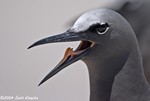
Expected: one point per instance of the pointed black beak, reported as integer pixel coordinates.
(64, 37)
(70, 55)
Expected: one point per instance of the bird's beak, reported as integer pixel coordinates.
(70, 55)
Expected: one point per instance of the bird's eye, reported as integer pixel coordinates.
(101, 29)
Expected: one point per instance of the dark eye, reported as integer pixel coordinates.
(99, 28)
(102, 28)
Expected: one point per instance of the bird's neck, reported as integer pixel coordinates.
(100, 88)
(101, 73)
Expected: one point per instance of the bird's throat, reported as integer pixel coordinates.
(100, 85)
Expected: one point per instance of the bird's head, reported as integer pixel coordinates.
(95, 29)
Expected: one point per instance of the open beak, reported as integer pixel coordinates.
(70, 56)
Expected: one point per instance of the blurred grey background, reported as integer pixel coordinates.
(22, 22)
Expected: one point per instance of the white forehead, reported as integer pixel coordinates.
(90, 18)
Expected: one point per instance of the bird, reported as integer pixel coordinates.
(110, 50)
(134, 11)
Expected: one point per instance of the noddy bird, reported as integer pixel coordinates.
(134, 11)
(110, 50)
